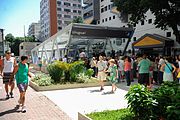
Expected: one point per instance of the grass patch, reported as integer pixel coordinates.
(122, 114)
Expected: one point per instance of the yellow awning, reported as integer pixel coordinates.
(148, 41)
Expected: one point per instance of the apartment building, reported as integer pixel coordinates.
(57, 14)
(34, 30)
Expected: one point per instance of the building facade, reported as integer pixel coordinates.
(34, 30)
(109, 16)
(57, 14)
(26, 47)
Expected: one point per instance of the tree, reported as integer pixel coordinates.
(78, 20)
(167, 12)
(9, 38)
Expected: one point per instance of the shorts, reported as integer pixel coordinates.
(101, 76)
(6, 77)
(22, 87)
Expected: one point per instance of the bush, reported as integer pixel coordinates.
(161, 103)
(141, 102)
(82, 78)
(168, 98)
(122, 114)
(42, 80)
(55, 71)
(89, 72)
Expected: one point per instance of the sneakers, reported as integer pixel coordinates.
(7, 96)
(23, 109)
(11, 94)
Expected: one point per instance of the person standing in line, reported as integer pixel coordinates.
(113, 70)
(160, 73)
(143, 68)
(21, 72)
(93, 64)
(121, 69)
(101, 65)
(168, 69)
(155, 71)
(6, 72)
(127, 70)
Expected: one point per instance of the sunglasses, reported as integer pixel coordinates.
(8, 53)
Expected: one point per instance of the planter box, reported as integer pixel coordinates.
(64, 86)
(83, 117)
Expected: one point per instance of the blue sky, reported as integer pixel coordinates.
(14, 14)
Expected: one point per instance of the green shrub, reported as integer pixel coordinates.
(168, 98)
(122, 114)
(141, 102)
(55, 71)
(89, 72)
(42, 80)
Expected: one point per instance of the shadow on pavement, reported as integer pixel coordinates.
(108, 93)
(15, 109)
(3, 99)
(92, 91)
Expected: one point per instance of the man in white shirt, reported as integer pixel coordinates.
(101, 65)
(7, 69)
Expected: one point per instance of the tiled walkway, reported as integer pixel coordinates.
(38, 107)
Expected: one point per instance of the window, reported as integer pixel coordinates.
(124, 40)
(168, 34)
(37, 44)
(134, 38)
(74, 5)
(74, 17)
(59, 28)
(67, 22)
(74, 11)
(106, 19)
(67, 16)
(98, 22)
(105, 8)
(109, 18)
(21, 47)
(118, 41)
(67, 10)
(79, 6)
(102, 10)
(59, 15)
(109, 7)
(114, 17)
(79, 11)
(58, 3)
(102, 0)
(150, 21)
(59, 22)
(134, 25)
(102, 20)
(59, 9)
(142, 22)
(67, 4)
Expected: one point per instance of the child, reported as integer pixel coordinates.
(113, 74)
(21, 72)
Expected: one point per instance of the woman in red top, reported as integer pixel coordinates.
(127, 70)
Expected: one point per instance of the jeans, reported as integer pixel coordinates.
(128, 78)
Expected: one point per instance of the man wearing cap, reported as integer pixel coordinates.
(7, 69)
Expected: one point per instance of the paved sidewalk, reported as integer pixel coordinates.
(38, 107)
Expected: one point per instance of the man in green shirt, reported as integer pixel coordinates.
(143, 68)
(21, 72)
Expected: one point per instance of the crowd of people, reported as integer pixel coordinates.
(148, 70)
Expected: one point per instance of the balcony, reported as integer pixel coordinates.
(87, 1)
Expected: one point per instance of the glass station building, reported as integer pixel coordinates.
(75, 37)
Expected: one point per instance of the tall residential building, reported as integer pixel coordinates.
(34, 30)
(57, 14)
